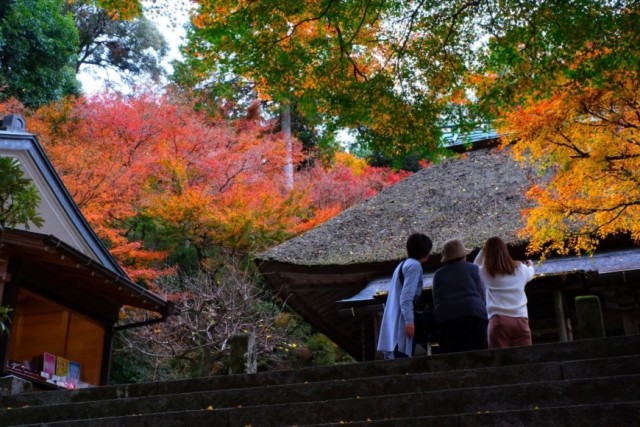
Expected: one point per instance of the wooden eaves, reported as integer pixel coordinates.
(73, 275)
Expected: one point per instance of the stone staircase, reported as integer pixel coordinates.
(582, 383)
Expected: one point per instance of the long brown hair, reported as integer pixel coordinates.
(497, 259)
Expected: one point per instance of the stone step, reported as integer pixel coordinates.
(552, 352)
(326, 390)
(285, 393)
(509, 401)
(624, 414)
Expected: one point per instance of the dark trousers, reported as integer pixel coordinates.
(463, 334)
(397, 354)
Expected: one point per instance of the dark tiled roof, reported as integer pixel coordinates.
(601, 263)
(482, 133)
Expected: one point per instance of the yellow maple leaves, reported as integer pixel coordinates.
(122, 9)
(585, 143)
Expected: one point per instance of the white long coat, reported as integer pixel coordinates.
(398, 310)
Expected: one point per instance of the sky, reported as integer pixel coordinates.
(171, 25)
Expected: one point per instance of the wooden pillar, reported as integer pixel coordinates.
(4, 273)
(377, 319)
(558, 301)
(590, 320)
(4, 340)
(630, 327)
(9, 297)
(107, 354)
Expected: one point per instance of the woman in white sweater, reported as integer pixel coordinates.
(505, 279)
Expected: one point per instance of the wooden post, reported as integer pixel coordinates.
(558, 301)
(376, 333)
(243, 358)
(4, 275)
(589, 313)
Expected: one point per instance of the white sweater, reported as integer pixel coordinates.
(505, 293)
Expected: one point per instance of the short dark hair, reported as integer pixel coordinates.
(418, 245)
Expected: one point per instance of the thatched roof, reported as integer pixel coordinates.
(471, 196)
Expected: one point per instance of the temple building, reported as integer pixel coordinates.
(336, 276)
(65, 290)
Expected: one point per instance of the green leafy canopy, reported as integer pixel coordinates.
(37, 52)
(19, 198)
(397, 72)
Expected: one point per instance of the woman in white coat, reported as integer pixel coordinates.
(505, 279)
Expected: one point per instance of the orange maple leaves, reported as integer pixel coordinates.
(585, 142)
(197, 180)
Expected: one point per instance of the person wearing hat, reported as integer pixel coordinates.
(459, 301)
(397, 328)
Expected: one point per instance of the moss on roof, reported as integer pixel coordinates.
(472, 197)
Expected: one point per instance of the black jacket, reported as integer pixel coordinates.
(458, 292)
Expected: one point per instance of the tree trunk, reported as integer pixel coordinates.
(286, 130)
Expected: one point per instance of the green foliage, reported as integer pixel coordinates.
(132, 47)
(5, 319)
(540, 47)
(181, 252)
(394, 72)
(127, 366)
(410, 163)
(185, 257)
(37, 52)
(347, 64)
(19, 198)
(325, 352)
